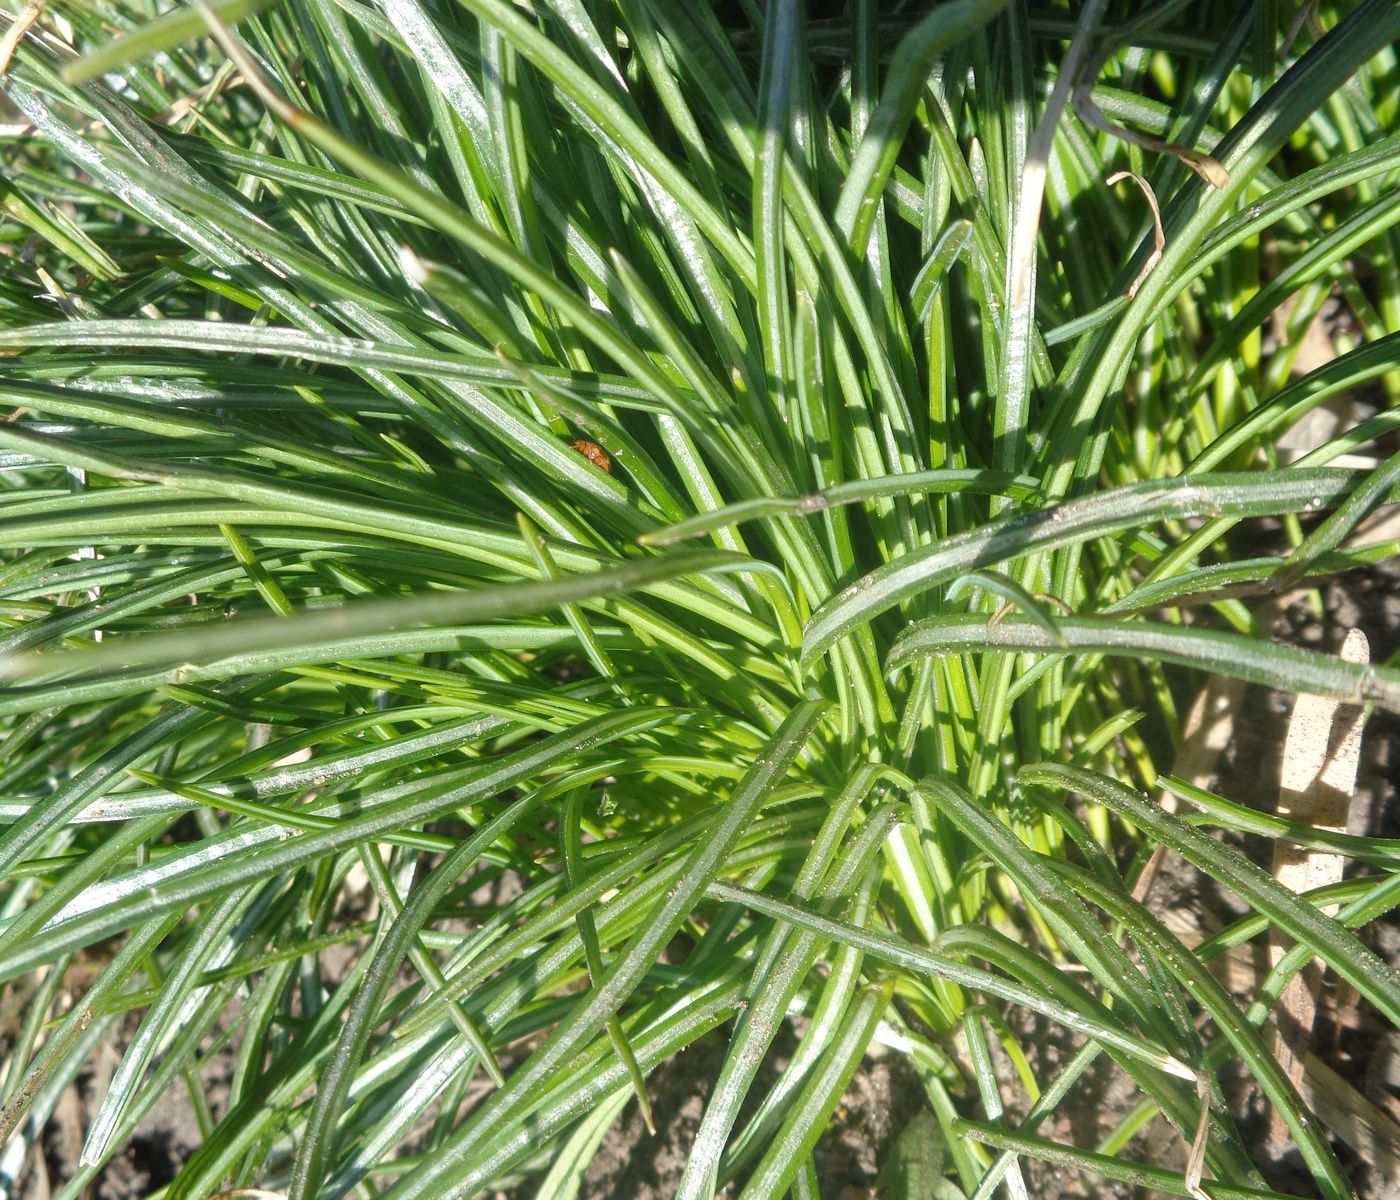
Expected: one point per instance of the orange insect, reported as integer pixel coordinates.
(594, 453)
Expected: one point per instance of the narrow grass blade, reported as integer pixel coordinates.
(1341, 951)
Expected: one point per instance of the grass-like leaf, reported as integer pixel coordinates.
(362, 366)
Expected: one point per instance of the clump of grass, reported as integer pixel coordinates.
(740, 478)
